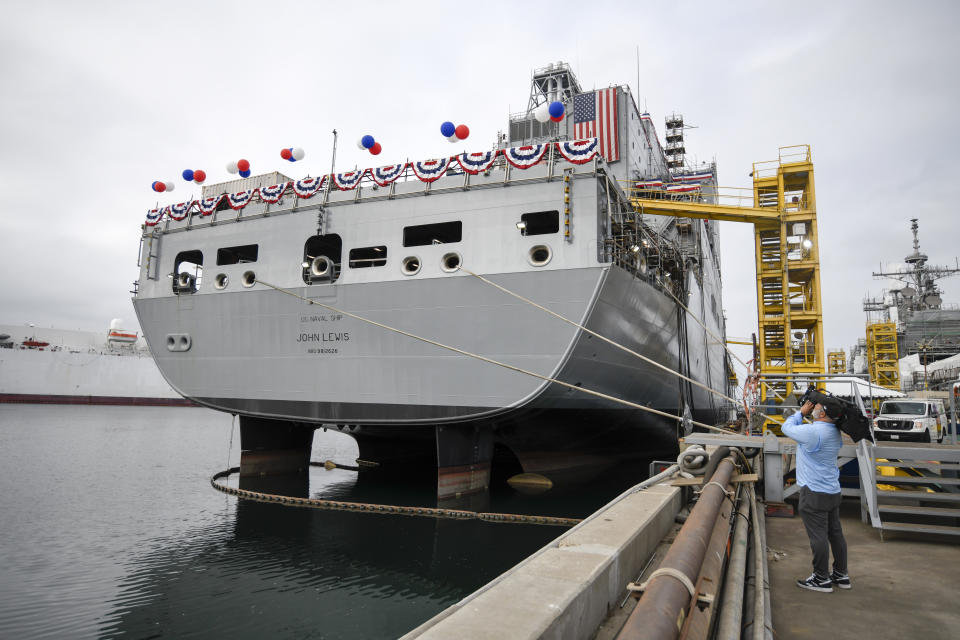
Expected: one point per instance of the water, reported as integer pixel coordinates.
(109, 528)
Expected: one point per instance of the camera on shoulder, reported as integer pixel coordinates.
(846, 415)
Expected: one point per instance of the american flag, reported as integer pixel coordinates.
(595, 116)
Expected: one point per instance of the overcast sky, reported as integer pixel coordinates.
(100, 99)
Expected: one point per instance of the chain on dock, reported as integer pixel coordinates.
(365, 507)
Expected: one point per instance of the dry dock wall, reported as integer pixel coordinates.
(566, 589)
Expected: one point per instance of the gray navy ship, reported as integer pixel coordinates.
(225, 284)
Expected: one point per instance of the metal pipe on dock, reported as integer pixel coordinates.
(669, 591)
(731, 610)
(758, 554)
(767, 609)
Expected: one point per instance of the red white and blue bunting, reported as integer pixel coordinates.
(179, 211)
(579, 151)
(273, 193)
(430, 170)
(655, 183)
(526, 156)
(349, 180)
(693, 177)
(308, 187)
(682, 188)
(474, 163)
(383, 176)
(209, 205)
(240, 199)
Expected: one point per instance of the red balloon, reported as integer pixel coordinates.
(199, 176)
(376, 149)
(160, 187)
(462, 131)
(557, 119)
(285, 154)
(243, 165)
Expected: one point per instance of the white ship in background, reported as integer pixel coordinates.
(57, 366)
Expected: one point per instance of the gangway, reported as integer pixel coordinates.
(782, 208)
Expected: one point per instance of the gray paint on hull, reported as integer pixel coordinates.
(623, 308)
(250, 349)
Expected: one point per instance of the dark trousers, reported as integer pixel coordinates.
(820, 513)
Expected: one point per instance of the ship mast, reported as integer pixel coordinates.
(921, 291)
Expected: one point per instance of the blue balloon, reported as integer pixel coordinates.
(447, 129)
(556, 109)
(367, 141)
(292, 159)
(188, 174)
(245, 174)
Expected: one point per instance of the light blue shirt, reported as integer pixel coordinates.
(818, 445)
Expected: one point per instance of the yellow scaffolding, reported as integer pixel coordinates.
(837, 361)
(784, 214)
(788, 270)
(882, 354)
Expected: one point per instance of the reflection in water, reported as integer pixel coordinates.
(120, 534)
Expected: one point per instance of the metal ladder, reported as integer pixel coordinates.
(153, 255)
(925, 500)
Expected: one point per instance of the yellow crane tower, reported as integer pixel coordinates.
(882, 358)
(837, 361)
(784, 214)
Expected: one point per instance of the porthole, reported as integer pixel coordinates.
(450, 262)
(410, 265)
(539, 255)
(249, 279)
(221, 281)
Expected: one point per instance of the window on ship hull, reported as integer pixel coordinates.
(321, 259)
(187, 271)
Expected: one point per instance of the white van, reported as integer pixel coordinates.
(911, 419)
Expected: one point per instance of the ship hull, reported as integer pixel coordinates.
(31, 376)
(396, 394)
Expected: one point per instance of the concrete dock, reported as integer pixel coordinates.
(904, 583)
(904, 587)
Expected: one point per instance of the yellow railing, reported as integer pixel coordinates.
(741, 197)
(787, 155)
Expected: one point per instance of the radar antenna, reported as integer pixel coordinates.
(920, 279)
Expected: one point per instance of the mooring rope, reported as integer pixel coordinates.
(366, 507)
(591, 392)
(601, 337)
(717, 339)
(631, 351)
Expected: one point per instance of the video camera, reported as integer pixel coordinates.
(844, 414)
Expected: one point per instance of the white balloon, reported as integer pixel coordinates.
(453, 138)
(298, 154)
(169, 186)
(232, 167)
(360, 144)
(542, 113)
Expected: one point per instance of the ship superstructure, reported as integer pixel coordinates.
(911, 320)
(226, 286)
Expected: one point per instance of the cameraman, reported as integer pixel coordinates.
(819, 479)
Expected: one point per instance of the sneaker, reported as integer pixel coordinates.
(813, 583)
(840, 580)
